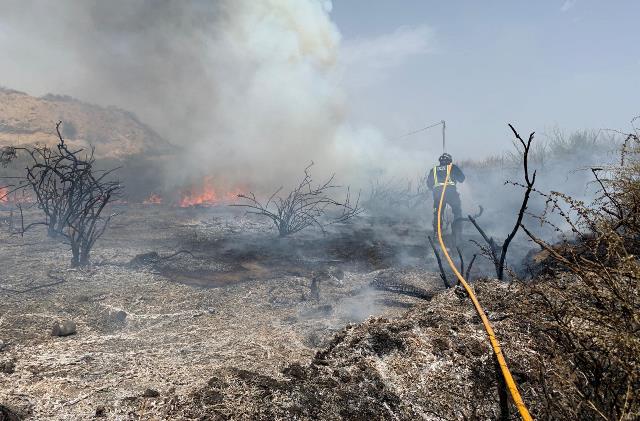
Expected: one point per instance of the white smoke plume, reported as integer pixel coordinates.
(249, 91)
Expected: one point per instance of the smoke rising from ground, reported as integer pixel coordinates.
(249, 91)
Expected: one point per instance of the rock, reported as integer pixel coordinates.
(7, 414)
(101, 412)
(7, 367)
(3, 345)
(119, 316)
(150, 393)
(66, 328)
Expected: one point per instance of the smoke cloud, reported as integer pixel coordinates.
(249, 91)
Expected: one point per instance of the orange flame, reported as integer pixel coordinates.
(16, 197)
(202, 196)
(153, 199)
(207, 195)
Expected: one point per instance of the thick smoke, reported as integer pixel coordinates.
(248, 91)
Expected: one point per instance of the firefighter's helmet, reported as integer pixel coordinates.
(445, 159)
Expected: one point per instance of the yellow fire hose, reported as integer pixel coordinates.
(511, 384)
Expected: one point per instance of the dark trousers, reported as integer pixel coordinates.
(451, 198)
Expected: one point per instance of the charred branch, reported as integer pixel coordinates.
(402, 289)
(594, 322)
(303, 207)
(71, 193)
(498, 254)
(473, 259)
(461, 260)
(468, 218)
(443, 274)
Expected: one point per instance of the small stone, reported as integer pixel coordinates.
(119, 316)
(7, 367)
(65, 328)
(101, 412)
(3, 345)
(150, 393)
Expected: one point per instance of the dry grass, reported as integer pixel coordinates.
(571, 336)
(590, 307)
(174, 336)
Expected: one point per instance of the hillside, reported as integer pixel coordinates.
(115, 133)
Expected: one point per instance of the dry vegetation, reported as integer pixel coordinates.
(590, 301)
(304, 206)
(571, 336)
(222, 321)
(72, 195)
(145, 320)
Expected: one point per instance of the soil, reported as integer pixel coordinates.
(152, 332)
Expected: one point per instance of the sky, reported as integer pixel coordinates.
(482, 64)
(401, 65)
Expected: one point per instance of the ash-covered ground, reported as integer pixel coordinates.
(174, 295)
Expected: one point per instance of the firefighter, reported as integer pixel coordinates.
(435, 182)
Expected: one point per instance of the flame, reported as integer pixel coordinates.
(15, 197)
(153, 199)
(207, 195)
(204, 195)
